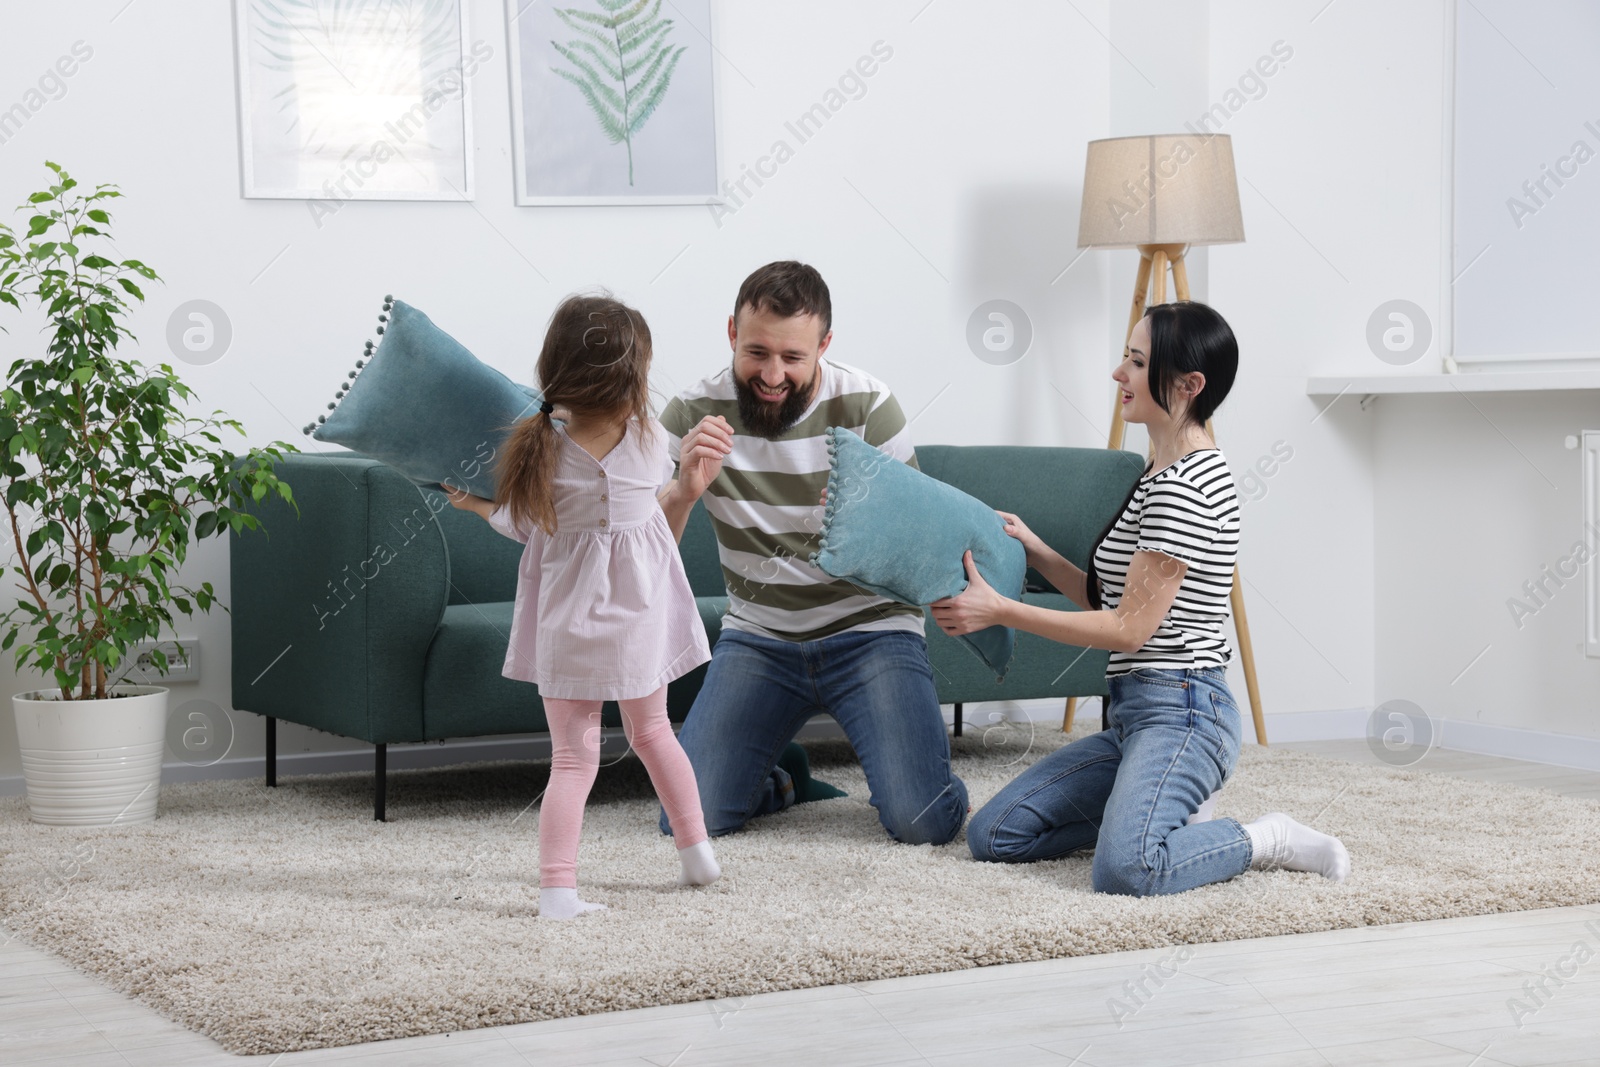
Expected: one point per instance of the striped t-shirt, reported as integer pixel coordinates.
(1190, 511)
(764, 508)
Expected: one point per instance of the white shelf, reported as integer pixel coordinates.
(1465, 382)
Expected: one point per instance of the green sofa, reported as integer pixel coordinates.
(382, 614)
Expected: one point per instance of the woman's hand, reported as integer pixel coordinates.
(974, 608)
(460, 498)
(1032, 545)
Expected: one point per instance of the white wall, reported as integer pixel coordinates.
(967, 151)
(1339, 165)
(1472, 503)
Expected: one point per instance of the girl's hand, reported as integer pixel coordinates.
(1032, 545)
(460, 498)
(974, 608)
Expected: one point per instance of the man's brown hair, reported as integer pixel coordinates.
(787, 288)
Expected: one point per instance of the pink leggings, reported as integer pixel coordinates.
(574, 761)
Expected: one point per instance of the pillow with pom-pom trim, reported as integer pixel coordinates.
(426, 406)
(891, 529)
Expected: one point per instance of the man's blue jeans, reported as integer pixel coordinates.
(1129, 790)
(878, 685)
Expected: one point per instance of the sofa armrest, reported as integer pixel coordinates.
(333, 610)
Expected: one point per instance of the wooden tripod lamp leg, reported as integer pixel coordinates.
(1141, 287)
(1247, 659)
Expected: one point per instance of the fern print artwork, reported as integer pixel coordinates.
(621, 60)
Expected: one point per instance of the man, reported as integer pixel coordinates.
(796, 641)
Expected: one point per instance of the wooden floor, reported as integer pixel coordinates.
(1421, 994)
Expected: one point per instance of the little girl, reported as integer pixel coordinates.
(603, 610)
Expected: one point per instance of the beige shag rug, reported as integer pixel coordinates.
(276, 920)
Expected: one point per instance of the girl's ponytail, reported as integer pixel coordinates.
(526, 471)
(595, 362)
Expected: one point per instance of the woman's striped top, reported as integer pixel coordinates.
(1189, 511)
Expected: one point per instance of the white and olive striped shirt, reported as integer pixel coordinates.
(764, 508)
(1189, 511)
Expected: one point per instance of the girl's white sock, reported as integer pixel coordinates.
(1207, 811)
(1278, 841)
(561, 902)
(699, 865)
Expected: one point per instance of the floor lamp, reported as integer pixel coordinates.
(1162, 194)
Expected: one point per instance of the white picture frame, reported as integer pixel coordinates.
(332, 106)
(562, 151)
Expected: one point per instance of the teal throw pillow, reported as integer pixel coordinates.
(425, 405)
(893, 530)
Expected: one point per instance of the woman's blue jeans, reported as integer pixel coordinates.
(1129, 790)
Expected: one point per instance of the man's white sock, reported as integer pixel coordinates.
(561, 902)
(699, 865)
(1278, 841)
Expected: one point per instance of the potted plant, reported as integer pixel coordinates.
(105, 479)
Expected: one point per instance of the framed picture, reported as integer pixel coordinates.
(355, 99)
(613, 101)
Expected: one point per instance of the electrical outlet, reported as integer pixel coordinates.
(183, 665)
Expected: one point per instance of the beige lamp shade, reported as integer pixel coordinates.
(1172, 188)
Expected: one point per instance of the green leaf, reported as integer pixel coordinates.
(655, 88)
(623, 77)
(610, 123)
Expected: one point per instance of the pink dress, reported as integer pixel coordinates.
(604, 610)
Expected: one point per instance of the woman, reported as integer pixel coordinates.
(1155, 595)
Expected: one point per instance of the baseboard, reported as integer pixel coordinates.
(1332, 724)
(400, 757)
(1510, 742)
(1337, 724)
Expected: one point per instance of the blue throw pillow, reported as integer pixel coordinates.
(893, 530)
(426, 406)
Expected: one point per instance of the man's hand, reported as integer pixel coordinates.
(700, 455)
(699, 462)
(974, 608)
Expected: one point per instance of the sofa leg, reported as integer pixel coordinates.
(272, 751)
(958, 720)
(380, 779)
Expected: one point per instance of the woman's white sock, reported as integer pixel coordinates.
(1207, 811)
(1278, 841)
(561, 902)
(699, 865)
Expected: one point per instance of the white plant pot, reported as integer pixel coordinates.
(92, 762)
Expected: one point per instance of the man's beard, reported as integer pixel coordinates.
(772, 418)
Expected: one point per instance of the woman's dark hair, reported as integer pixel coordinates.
(1185, 336)
(595, 361)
